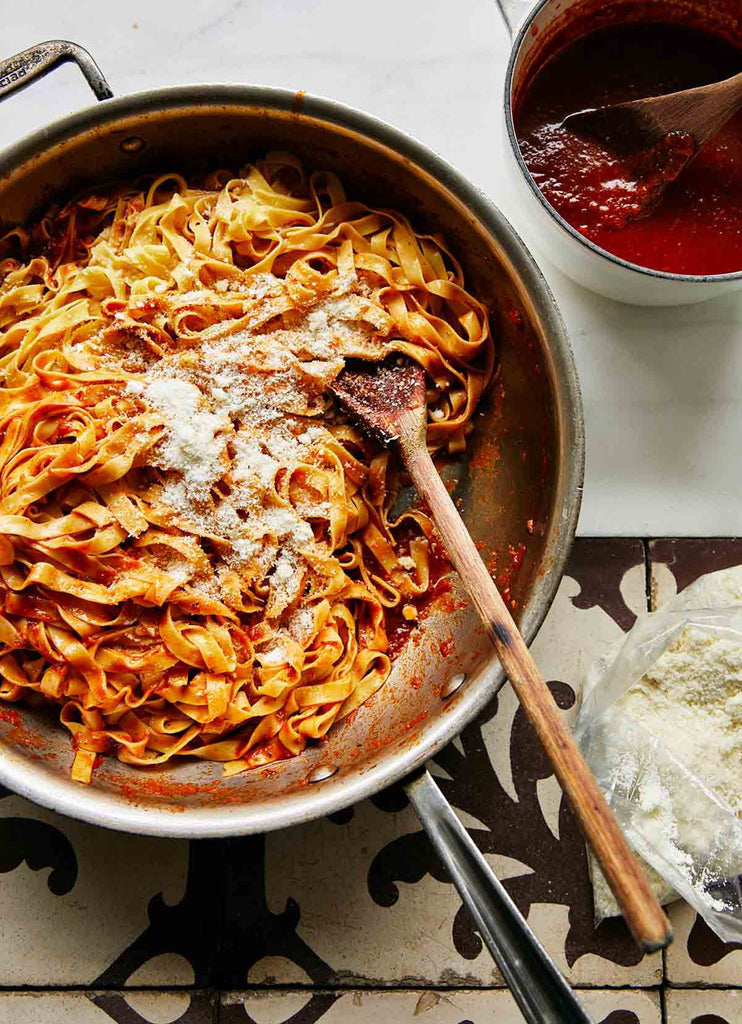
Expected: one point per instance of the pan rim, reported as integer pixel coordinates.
(42, 786)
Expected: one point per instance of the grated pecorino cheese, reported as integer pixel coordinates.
(237, 408)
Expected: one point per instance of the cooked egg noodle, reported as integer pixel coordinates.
(196, 553)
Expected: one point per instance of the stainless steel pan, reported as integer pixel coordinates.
(520, 487)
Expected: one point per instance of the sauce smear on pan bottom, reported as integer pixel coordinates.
(696, 226)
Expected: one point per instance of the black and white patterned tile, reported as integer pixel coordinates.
(73, 897)
(129, 1007)
(703, 1006)
(459, 1006)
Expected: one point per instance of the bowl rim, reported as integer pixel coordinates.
(46, 786)
(520, 37)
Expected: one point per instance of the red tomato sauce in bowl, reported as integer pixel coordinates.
(696, 225)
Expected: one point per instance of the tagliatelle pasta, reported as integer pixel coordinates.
(197, 553)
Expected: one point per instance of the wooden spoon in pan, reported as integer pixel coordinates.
(389, 402)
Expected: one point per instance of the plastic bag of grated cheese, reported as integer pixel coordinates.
(661, 727)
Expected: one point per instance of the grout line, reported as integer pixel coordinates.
(298, 987)
(647, 573)
(33, 989)
(663, 1002)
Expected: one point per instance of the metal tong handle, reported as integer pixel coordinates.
(542, 994)
(21, 70)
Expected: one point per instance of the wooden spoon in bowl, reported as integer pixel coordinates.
(658, 137)
(389, 402)
(629, 127)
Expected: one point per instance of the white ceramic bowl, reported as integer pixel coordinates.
(546, 231)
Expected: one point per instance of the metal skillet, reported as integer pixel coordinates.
(519, 488)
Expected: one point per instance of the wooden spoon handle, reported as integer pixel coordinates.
(640, 906)
(701, 111)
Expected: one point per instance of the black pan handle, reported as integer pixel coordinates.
(21, 70)
(542, 994)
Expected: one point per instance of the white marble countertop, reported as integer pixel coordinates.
(662, 387)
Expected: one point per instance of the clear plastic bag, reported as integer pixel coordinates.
(658, 726)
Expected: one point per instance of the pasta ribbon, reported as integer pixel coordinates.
(198, 556)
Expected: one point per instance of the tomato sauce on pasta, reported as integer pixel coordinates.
(197, 551)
